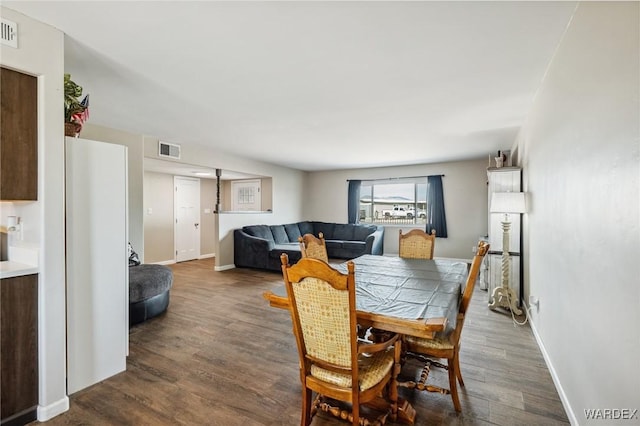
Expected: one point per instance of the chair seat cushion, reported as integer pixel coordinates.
(372, 369)
(440, 342)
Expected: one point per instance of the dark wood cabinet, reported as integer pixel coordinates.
(19, 349)
(18, 136)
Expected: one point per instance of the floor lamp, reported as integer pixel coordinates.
(507, 203)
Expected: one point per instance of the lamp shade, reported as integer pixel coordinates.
(508, 202)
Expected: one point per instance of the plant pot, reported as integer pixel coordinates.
(72, 129)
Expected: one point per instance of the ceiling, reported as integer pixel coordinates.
(312, 85)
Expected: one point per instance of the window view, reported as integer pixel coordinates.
(398, 202)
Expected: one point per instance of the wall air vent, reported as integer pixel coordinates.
(9, 33)
(169, 150)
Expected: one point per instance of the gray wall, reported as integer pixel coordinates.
(134, 143)
(159, 217)
(579, 150)
(287, 190)
(465, 197)
(208, 232)
(158, 222)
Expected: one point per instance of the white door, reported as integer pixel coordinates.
(187, 214)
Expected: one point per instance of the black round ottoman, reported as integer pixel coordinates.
(149, 287)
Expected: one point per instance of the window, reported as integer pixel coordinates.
(399, 201)
(402, 201)
(245, 195)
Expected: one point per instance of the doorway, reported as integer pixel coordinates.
(187, 217)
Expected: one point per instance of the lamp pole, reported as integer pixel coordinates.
(505, 296)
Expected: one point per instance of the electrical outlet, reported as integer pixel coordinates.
(534, 301)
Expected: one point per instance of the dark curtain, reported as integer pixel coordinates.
(353, 202)
(435, 207)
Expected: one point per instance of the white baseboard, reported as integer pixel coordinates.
(172, 261)
(556, 380)
(224, 267)
(48, 412)
(165, 262)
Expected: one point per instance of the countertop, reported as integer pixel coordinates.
(9, 269)
(23, 260)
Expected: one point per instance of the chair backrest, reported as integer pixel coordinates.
(483, 248)
(313, 247)
(481, 251)
(324, 314)
(417, 244)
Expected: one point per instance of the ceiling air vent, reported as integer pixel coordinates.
(9, 33)
(168, 150)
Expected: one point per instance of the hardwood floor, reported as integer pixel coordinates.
(222, 356)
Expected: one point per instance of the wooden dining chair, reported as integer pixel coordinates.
(313, 247)
(417, 244)
(445, 345)
(333, 362)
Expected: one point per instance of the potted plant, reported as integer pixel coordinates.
(76, 111)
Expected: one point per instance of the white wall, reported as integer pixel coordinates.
(465, 198)
(41, 53)
(580, 153)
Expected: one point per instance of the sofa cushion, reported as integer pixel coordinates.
(293, 232)
(285, 248)
(260, 231)
(361, 232)
(355, 246)
(292, 250)
(305, 228)
(333, 245)
(148, 280)
(343, 231)
(325, 228)
(279, 234)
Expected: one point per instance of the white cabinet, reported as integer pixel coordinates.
(97, 266)
(504, 179)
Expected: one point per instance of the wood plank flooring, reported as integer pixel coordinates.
(222, 356)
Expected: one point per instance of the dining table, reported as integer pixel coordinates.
(416, 297)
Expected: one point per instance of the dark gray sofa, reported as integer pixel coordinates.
(260, 246)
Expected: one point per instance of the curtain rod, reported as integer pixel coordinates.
(398, 178)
